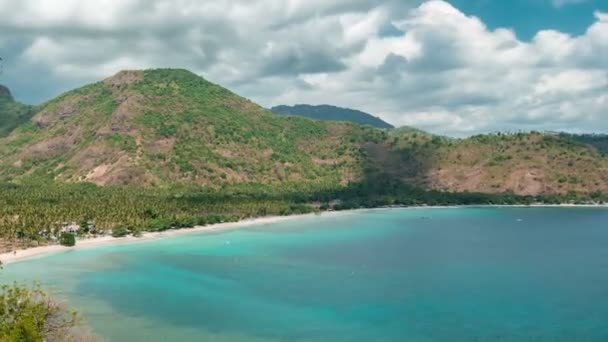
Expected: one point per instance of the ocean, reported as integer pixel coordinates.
(447, 274)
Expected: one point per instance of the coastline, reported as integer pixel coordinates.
(34, 252)
(106, 240)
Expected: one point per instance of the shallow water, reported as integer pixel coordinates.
(485, 274)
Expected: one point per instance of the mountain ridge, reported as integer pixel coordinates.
(168, 127)
(12, 113)
(332, 113)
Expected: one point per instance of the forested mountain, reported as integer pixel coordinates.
(599, 141)
(171, 127)
(332, 113)
(165, 127)
(12, 113)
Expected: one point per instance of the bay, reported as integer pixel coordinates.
(447, 274)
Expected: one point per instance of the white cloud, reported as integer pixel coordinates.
(449, 73)
(446, 72)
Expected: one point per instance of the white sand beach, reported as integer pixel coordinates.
(23, 254)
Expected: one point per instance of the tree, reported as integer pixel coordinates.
(84, 226)
(29, 314)
(67, 239)
(119, 232)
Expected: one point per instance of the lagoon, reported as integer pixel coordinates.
(447, 274)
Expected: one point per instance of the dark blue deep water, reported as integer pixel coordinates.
(466, 274)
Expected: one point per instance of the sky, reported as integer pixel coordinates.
(454, 67)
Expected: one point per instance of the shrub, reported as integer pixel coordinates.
(137, 232)
(84, 226)
(159, 224)
(67, 239)
(119, 232)
(30, 315)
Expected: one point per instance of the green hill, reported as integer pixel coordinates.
(166, 127)
(160, 149)
(524, 163)
(332, 113)
(12, 113)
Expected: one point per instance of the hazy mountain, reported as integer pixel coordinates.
(12, 113)
(332, 113)
(599, 141)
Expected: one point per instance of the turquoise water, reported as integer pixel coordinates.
(474, 274)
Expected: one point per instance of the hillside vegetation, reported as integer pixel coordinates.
(523, 163)
(332, 113)
(162, 127)
(171, 127)
(599, 141)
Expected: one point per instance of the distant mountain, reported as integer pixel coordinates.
(405, 130)
(12, 113)
(599, 141)
(332, 113)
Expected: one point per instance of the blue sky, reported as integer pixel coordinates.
(527, 17)
(455, 67)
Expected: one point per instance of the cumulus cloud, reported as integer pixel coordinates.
(424, 64)
(449, 73)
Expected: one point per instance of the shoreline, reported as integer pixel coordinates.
(107, 240)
